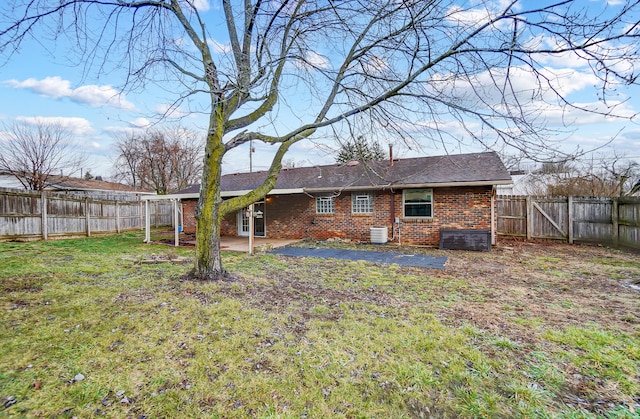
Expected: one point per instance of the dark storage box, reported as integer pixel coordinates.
(465, 240)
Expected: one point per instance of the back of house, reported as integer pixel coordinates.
(408, 201)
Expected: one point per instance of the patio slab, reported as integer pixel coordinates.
(421, 261)
(241, 244)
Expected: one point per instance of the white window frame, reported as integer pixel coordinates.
(325, 204)
(429, 203)
(361, 203)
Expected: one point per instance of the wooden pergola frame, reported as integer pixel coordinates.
(177, 200)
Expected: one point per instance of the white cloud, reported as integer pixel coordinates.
(469, 17)
(53, 87)
(140, 123)
(57, 88)
(525, 87)
(479, 14)
(565, 60)
(613, 52)
(375, 65)
(597, 111)
(317, 60)
(166, 110)
(115, 130)
(77, 126)
(98, 96)
(201, 5)
(219, 48)
(313, 60)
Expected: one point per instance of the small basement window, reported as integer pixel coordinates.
(362, 203)
(324, 204)
(417, 203)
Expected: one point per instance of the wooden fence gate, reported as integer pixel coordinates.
(602, 220)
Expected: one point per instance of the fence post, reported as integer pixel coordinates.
(529, 217)
(570, 219)
(43, 215)
(615, 228)
(147, 222)
(176, 238)
(87, 216)
(118, 229)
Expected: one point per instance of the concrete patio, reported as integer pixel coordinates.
(241, 244)
(227, 243)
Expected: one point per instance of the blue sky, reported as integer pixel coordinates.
(39, 83)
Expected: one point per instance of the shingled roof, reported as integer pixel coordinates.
(449, 170)
(79, 184)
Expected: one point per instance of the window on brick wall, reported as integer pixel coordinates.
(362, 203)
(417, 203)
(324, 204)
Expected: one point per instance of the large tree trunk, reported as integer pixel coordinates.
(208, 264)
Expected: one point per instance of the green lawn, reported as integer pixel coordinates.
(89, 330)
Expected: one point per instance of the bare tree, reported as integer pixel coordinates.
(385, 63)
(162, 160)
(623, 174)
(127, 162)
(186, 158)
(608, 175)
(34, 153)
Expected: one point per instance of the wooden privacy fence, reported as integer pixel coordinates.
(602, 220)
(40, 215)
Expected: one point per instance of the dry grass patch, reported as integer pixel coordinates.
(528, 330)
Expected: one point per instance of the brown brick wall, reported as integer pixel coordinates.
(189, 215)
(453, 208)
(294, 216)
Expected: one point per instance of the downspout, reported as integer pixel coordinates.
(392, 215)
(392, 205)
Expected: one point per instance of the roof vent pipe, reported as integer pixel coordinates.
(390, 155)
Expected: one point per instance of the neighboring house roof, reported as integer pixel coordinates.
(473, 169)
(66, 183)
(9, 181)
(531, 183)
(522, 184)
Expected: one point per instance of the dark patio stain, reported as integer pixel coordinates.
(421, 261)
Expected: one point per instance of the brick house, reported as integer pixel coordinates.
(414, 198)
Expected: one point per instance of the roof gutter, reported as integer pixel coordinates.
(169, 196)
(226, 194)
(413, 186)
(223, 194)
(229, 194)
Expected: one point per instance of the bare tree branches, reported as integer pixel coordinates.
(34, 153)
(607, 175)
(162, 160)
